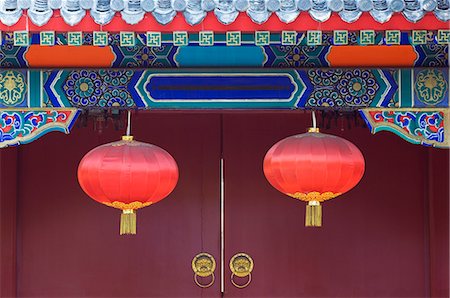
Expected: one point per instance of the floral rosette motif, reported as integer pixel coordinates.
(295, 56)
(115, 98)
(82, 88)
(358, 87)
(104, 88)
(325, 98)
(145, 57)
(325, 78)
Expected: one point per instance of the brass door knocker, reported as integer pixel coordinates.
(203, 266)
(241, 265)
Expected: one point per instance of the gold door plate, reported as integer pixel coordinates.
(241, 265)
(203, 264)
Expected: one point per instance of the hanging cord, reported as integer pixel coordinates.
(314, 122)
(128, 136)
(129, 123)
(313, 114)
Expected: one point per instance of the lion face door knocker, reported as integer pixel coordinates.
(203, 266)
(241, 266)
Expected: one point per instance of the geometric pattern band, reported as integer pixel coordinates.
(158, 50)
(231, 38)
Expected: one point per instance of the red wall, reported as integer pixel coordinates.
(386, 238)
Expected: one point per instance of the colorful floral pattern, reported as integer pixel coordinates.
(104, 88)
(18, 126)
(339, 88)
(416, 126)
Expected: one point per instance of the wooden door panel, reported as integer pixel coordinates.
(373, 240)
(69, 245)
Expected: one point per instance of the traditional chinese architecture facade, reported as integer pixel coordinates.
(216, 83)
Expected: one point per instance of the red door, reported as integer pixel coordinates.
(69, 245)
(375, 239)
(387, 237)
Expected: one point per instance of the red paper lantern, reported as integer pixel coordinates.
(128, 175)
(313, 167)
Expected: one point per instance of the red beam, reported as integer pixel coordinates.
(243, 23)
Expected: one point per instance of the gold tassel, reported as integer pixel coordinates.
(128, 222)
(313, 214)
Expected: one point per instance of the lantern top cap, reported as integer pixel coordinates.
(127, 138)
(313, 129)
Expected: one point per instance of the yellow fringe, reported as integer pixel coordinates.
(314, 196)
(129, 206)
(313, 215)
(128, 222)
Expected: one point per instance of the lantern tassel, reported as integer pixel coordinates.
(313, 214)
(128, 222)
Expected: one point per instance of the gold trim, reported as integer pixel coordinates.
(241, 286)
(241, 264)
(125, 207)
(128, 222)
(203, 264)
(127, 138)
(313, 129)
(313, 217)
(204, 286)
(314, 196)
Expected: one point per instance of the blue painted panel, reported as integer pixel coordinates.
(245, 56)
(215, 87)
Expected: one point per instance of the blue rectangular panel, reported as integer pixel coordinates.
(208, 87)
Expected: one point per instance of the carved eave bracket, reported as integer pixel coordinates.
(424, 126)
(21, 126)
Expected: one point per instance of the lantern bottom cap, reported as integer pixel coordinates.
(313, 216)
(128, 222)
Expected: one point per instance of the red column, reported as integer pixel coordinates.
(8, 195)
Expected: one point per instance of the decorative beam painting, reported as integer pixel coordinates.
(348, 89)
(22, 126)
(337, 48)
(422, 126)
(413, 103)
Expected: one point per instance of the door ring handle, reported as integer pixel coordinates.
(241, 286)
(241, 265)
(203, 265)
(202, 285)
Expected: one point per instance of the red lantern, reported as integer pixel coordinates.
(128, 175)
(313, 167)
